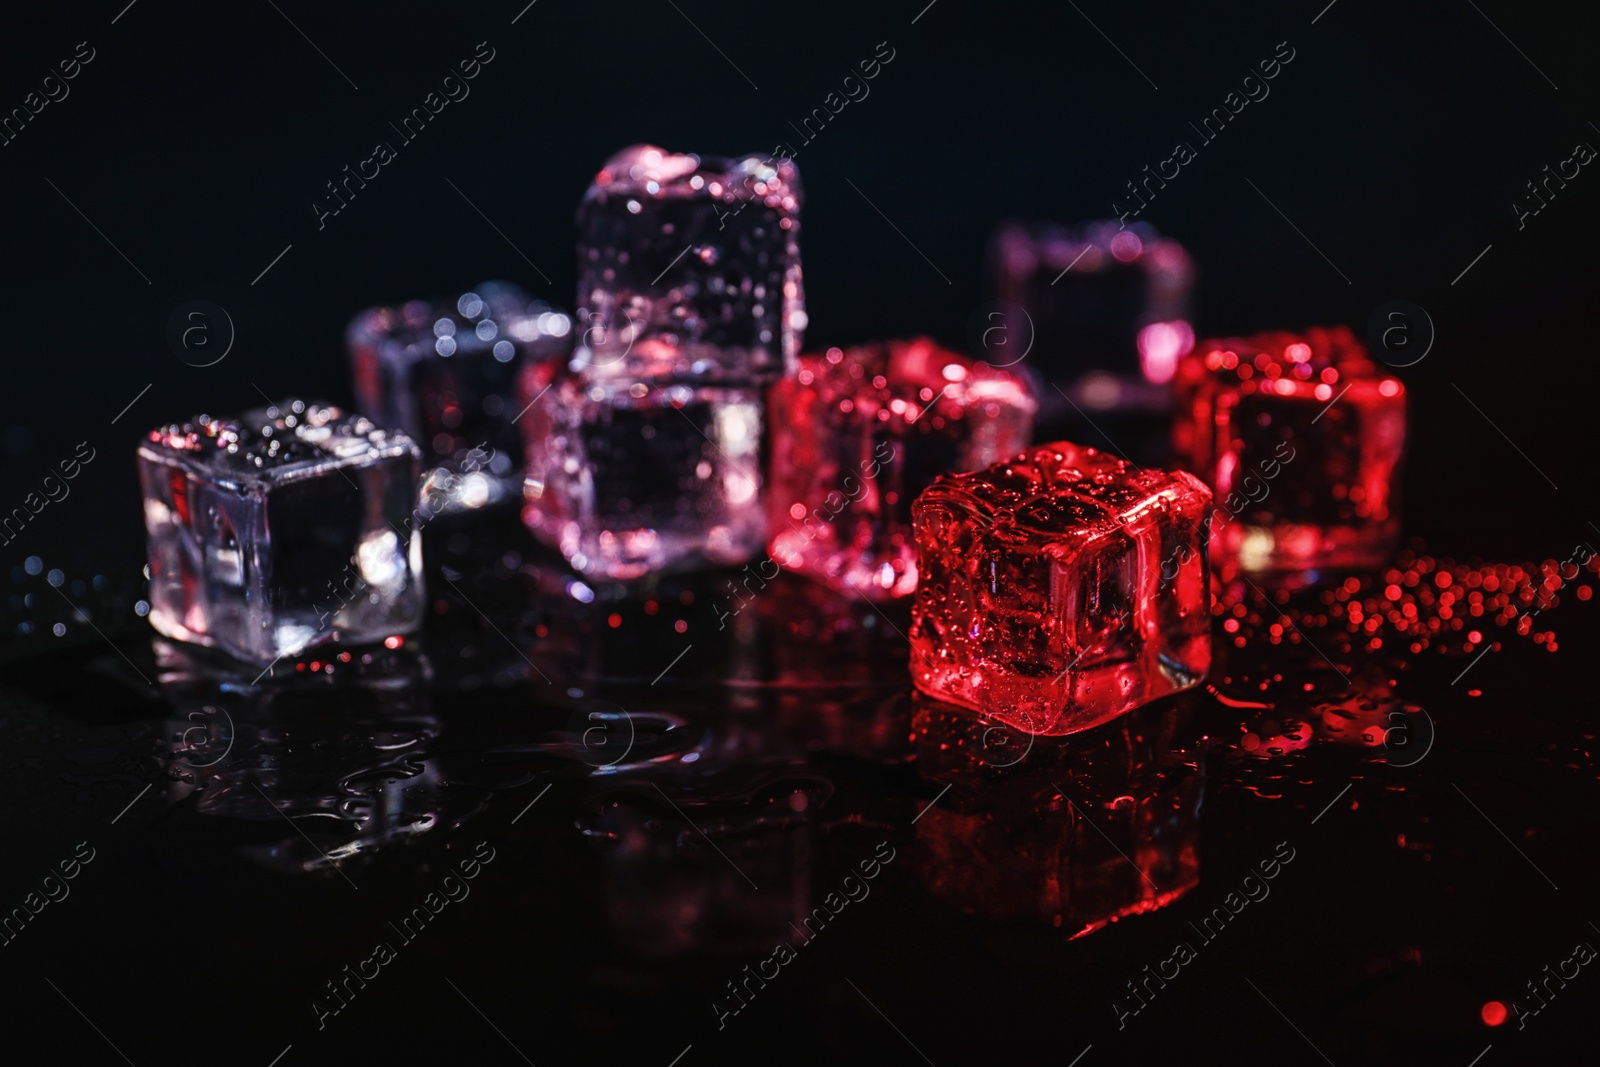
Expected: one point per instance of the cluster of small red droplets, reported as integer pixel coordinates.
(1417, 603)
(328, 665)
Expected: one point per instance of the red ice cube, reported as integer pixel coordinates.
(1060, 588)
(858, 433)
(1300, 438)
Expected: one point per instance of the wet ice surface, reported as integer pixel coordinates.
(662, 804)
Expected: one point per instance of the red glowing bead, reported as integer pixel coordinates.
(1304, 472)
(1494, 1013)
(1060, 588)
(858, 434)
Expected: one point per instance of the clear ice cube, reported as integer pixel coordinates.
(628, 479)
(284, 529)
(646, 453)
(689, 268)
(445, 371)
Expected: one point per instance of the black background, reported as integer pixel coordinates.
(1396, 140)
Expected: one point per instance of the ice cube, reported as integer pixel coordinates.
(1300, 438)
(689, 268)
(858, 433)
(445, 371)
(1060, 588)
(284, 529)
(1101, 309)
(628, 479)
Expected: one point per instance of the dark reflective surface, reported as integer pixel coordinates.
(703, 813)
(180, 171)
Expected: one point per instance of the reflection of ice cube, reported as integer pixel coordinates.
(627, 480)
(346, 754)
(668, 892)
(690, 267)
(1124, 839)
(446, 372)
(283, 529)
